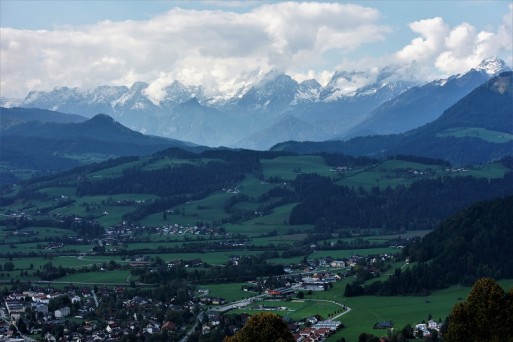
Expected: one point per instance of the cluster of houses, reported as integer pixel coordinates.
(125, 232)
(176, 229)
(318, 331)
(457, 170)
(17, 303)
(425, 330)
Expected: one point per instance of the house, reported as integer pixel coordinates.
(193, 263)
(205, 329)
(432, 325)
(421, 327)
(112, 326)
(43, 308)
(75, 299)
(383, 325)
(168, 325)
(280, 293)
(62, 312)
(50, 338)
(338, 264)
(312, 320)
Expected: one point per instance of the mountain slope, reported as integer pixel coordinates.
(488, 108)
(56, 146)
(420, 105)
(192, 113)
(287, 128)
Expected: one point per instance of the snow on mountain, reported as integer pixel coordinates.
(275, 92)
(357, 84)
(493, 66)
(133, 99)
(346, 101)
(308, 91)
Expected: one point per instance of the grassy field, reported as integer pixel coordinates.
(230, 292)
(295, 309)
(367, 310)
(287, 167)
(115, 171)
(479, 133)
(117, 276)
(388, 173)
(336, 254)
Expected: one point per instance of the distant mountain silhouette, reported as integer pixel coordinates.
(45, 145)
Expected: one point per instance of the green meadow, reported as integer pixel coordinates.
(478, 133)
(296, 309)
(287, 167)
(401, 310)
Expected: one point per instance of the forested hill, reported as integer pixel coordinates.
(474, 243)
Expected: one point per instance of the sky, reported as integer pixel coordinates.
(226, 45)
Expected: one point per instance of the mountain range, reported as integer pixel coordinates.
(476, 129)
(43, 140)
(275, 109)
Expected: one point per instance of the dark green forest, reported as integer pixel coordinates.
(474, 243)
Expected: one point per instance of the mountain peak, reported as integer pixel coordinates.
(102, 118)
(492, 66)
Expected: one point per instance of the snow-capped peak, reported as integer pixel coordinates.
(492, 66)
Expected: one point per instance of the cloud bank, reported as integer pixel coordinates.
(224, 50)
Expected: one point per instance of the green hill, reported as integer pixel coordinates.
(42, 141)
(471, 244)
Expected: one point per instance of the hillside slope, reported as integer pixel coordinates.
(487, 110)
(60, 145)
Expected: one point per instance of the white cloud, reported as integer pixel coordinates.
(221, 50)
(432, 33)
(441, 49)
(224, 50)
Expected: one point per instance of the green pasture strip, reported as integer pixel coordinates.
(296, 309)
(253, 187)
(278, 239)
(230, 292)
(205, 210)
(68, 191)
(255, 229)
(37, 263)
(349, 252)
(87, 158)
(279, 216)
(489, 171)
(97, 199)
(41, 233)
(117, 276)
(114, 216)
(246, 206)
(479, 133)
(115, 171)
(345, 253)
(385, 174)
(212, 258)
(166, 161)
(286, 167)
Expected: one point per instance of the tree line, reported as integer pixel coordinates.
(472, 244)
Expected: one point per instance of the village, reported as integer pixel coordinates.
(77, 312)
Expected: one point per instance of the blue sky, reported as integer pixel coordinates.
(228, 44)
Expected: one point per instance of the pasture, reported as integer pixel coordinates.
(478, 133)
(288, 167)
